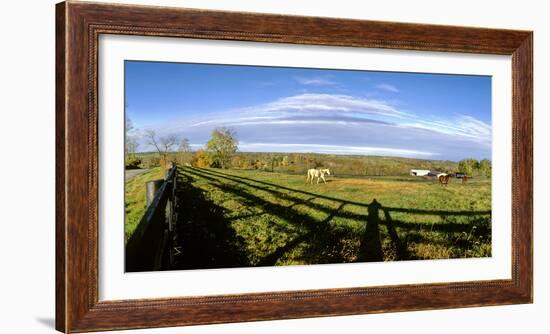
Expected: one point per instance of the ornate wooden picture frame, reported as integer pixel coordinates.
(78, 27)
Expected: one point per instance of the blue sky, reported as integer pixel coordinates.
(275, 109)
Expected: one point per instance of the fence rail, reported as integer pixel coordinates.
(149, 247)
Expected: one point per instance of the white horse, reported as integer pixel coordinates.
(318, 174)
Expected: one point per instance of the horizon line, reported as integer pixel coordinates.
(329, 154)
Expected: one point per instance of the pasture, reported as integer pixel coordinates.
(237, 217)
(135, 201)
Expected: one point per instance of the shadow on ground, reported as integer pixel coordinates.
(206, 238)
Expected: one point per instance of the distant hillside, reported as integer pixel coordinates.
(300, 162)
(341, 164)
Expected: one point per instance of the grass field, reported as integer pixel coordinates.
(232, 218)
(135, 201)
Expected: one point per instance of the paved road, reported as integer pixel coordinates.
(131, 173)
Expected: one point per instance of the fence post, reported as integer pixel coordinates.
(171, 180)
(151, 188)
(150, 246)
(166, 238)
(171, 211)
(174, 233)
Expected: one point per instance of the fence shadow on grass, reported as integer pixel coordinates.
(204, 237)
(207, 239)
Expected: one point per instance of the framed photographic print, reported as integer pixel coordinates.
(223, 166)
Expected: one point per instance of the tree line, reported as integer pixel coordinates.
(472, 167)
(218, 151)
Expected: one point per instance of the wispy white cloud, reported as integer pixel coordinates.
(341, 124)
(311, 102)
(315, 81)
(332, 149)
(304, 108)
(234, 119)
(387, 87)
(462, 125)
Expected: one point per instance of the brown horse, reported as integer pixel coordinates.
(443, 179)
(465, 179)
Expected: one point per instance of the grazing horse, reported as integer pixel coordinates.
(318, 174)
(443, 179)
(465, 179)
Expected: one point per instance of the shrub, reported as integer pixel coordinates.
(200, 159)
(132, 163)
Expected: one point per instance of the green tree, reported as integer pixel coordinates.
(222, 146)
(485, 167)
(468, 166)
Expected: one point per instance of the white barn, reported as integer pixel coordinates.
(420, 172)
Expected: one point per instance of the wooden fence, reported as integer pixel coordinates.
(149, 247)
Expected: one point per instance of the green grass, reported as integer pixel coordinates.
(135, 201)
(250, 218)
